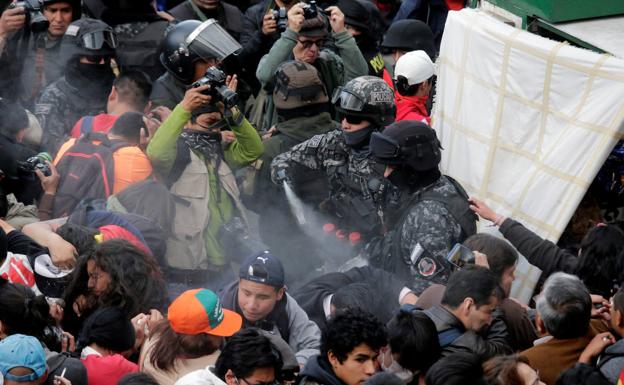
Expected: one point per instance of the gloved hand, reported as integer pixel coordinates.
(281, 177)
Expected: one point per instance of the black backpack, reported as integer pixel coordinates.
(87, 171)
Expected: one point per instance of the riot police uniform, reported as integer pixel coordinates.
(435, 213)
(356, 189)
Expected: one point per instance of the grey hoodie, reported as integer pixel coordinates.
(611, 361)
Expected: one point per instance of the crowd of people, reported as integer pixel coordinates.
(249, 193)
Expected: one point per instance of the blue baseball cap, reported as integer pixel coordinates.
(18, 351)
(263, 267)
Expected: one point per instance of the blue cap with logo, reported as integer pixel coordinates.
(20, 351)
(263, 267)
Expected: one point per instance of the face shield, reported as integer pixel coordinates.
(346, 100)
(95, 40)
(210, 40)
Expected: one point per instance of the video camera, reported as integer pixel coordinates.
(215, 78)
(34, 18)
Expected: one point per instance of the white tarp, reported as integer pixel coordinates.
(525, 122)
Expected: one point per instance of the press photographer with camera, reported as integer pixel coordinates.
(194, 152)
(30, 32)
(303, 40)
(188, 49)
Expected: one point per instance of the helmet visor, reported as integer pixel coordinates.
(210, 40)
(384, 148)
(347, 100)
(95, 40)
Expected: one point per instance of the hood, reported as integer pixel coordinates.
(319, 370)
(304, 128)
(615, 349)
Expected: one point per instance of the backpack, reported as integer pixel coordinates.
(87, 171)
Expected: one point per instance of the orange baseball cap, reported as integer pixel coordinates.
(199, 311)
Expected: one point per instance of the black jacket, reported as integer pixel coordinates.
(486, 345)
(228, 16)
(318, 371)
(310, 296)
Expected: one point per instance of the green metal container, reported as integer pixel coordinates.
(557, 11)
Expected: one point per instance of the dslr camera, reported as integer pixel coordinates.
(219, 92)
(34, 18)
(280, 15)
(35, 163)
(310, 10)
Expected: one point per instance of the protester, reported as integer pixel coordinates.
(598, 264)
(406, 36)
(190, 338)
(611, 361)
(510, 370)
(349, 350)
(115, 274)
(464, 320)
(88, 45)
(260, 297)
(564, 311)
(23, 360)
(248, 358)
(105, 335)
(459, 368)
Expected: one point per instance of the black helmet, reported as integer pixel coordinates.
(408, 142)
(410, 35)
(369, 97)
(88, 37)
(191, 40)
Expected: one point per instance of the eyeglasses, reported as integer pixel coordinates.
(274, 382)
(308, 43)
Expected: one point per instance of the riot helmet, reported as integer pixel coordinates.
(89, 37)
(368, 97)
(410, 35)
(189, 41)
(407, 143)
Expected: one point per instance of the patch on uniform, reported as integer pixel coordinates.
(381, 97)
(427, 267)
(72, 30)
(43, 109)
(314, 141)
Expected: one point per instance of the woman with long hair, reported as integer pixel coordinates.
(114, 274)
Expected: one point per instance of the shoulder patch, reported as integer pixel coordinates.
(314, 141)
(72, 30)
(43, 109)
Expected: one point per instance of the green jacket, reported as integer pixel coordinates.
(208, 197)
(335, 70)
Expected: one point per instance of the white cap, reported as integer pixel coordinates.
(415, 66)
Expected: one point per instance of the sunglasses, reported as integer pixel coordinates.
(308, 43)
(353, 119)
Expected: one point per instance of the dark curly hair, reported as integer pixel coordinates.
(136, 281)
(350, 328)
(81, 237)
(247, 351)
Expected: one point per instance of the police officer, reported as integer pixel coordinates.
(89, 45)
(367, 104)
(435, 216)
(188, 49)
(32, 58)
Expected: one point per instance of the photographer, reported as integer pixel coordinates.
(303, 40)
(32, 59)
(187, 60)
(194, 154)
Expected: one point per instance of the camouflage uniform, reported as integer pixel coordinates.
(349, 173)
(427, 232)
(60, 106)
